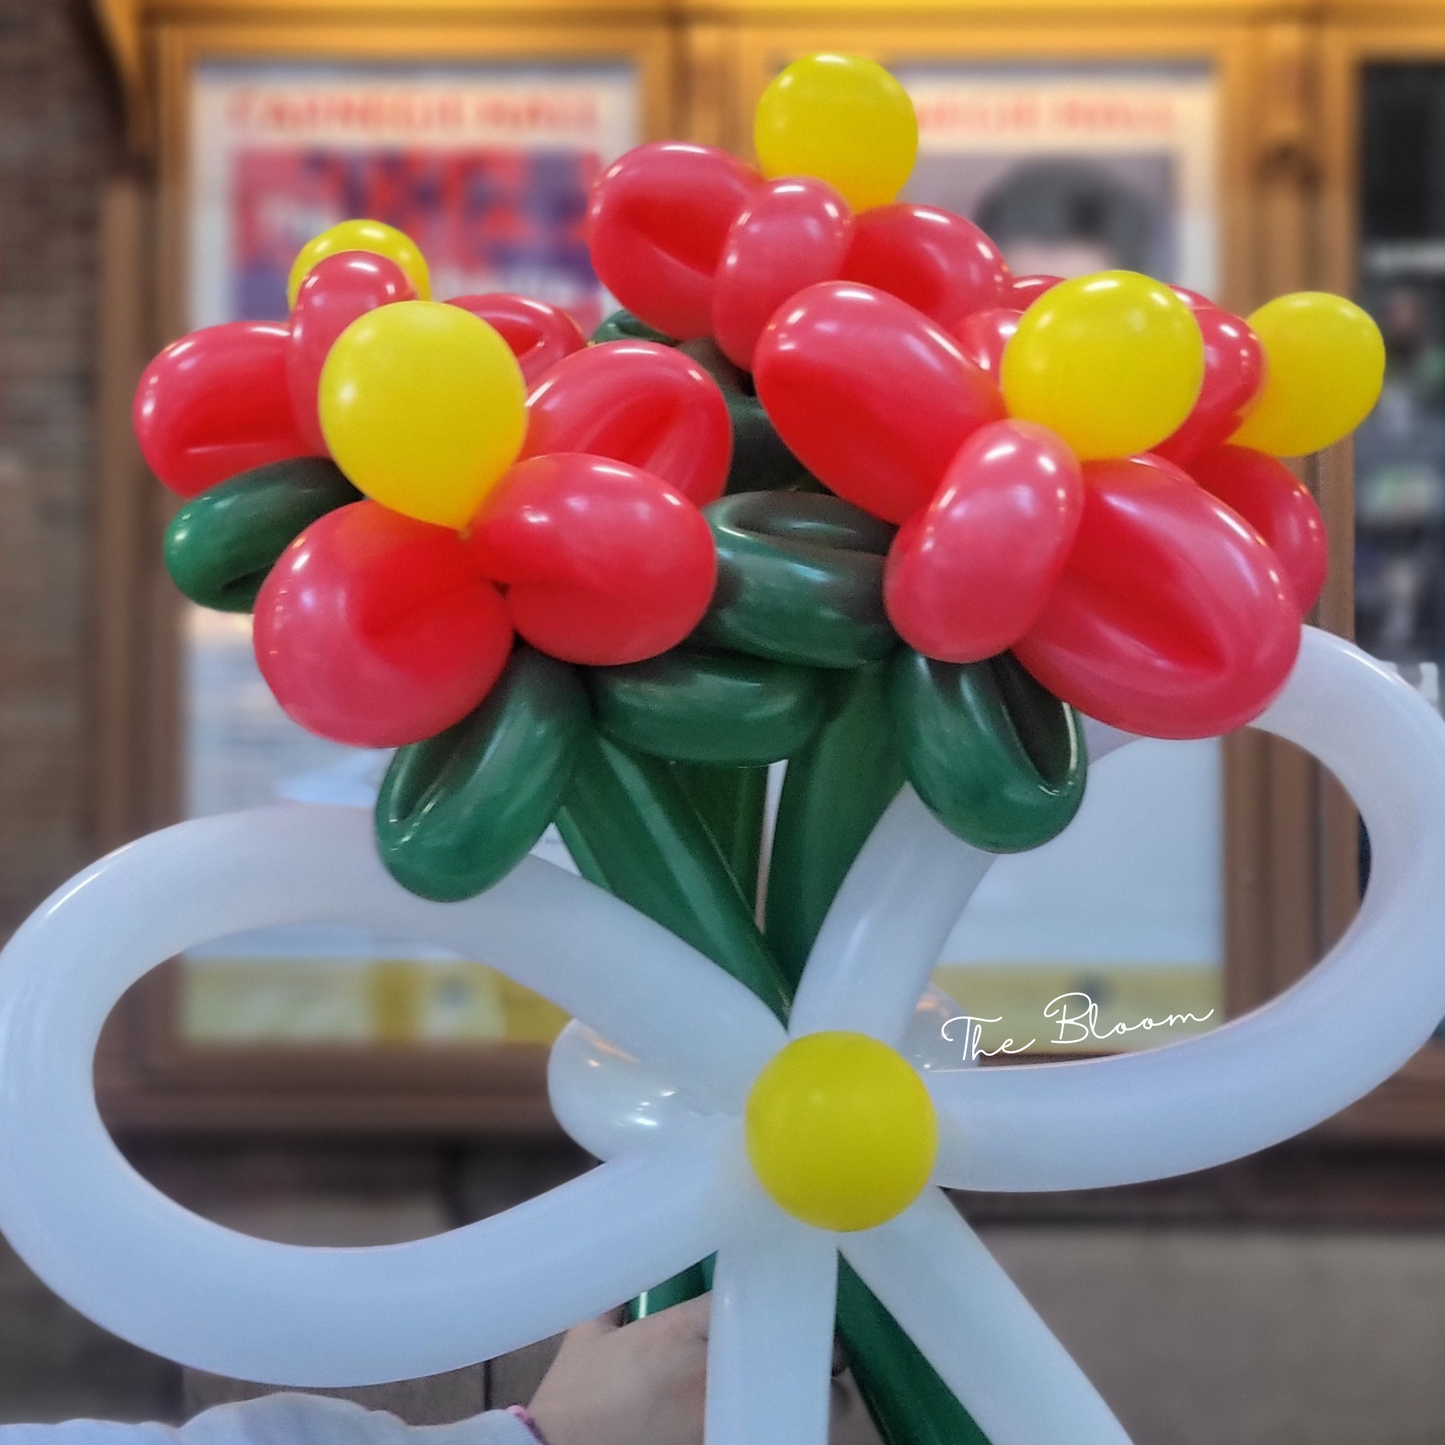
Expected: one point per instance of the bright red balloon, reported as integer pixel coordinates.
(970, 574)
(1025, 290)
(1171, 618)
(216, 403)
(338, 290)
(636, 402)
(377, 630)
(603, 563)
(790, 234)
(935, 261)
(539, 335)
(1278, 506)
(656, 227)
(983, 336)
(1234, 372)
(871, 396)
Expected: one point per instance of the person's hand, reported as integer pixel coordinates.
(637, 1384)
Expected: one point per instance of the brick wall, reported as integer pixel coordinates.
(60, 136)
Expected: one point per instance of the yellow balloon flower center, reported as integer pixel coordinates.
(841, 1131)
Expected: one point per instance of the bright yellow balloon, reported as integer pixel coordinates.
(423, 407)
(842, 119)
(1111, 362)
(374, 236)
(841, 1131)
(1326, 367)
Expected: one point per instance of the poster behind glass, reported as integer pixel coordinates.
(488, 168)
(1075, 169)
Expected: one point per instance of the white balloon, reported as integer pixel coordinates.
(1340, 1031)
(975, 1328)
(147, 1270)
(770, 1340)
(607, 1099)
(925, 1044)
(888, 924)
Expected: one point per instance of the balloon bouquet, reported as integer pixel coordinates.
(835, 488)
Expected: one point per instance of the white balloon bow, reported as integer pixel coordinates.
(678, 1185)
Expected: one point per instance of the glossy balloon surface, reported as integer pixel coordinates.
(1278, 506)
(637, 402)
(215, 403)
(539, 334)
(656, 228)
(840, 1131)
(1112, 362)
(970, 574)
(377, 630)
(337, 290)
(799, 579)
(604, 564)
(997, 758)
(1025, 290)
(220, 545)
(459, 811)
(937, 262)
(700, 706)
(1326, 367)
(983, 336)
(1234, 371)
(870, 395)
(1172, 618)
(424, 408)
(374, 236)
(789, 234)
(840, 118)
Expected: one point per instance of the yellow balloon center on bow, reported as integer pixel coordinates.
(841, 1131)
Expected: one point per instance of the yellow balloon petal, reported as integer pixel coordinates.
(841, 1131)
(1326, 366)
(1111, 362)
(374, 236)
(423, 407)
(842, 119)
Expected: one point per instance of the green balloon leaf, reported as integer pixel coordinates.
(459, 811)
(624, 326)
(800, 579)
(998, 758)
(695, 706)
(221, 544)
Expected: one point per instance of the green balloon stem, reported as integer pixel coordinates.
(731, 803)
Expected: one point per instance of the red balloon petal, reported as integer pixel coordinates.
(871, 396)
(1171, 618)
(790, 234)
(640, 403)
(604, 564)
(1278, 506)
(539, 335)
(935, 261)
(1234, 372)
(217, 402)
(983, 336)
(338, 290)
(656, 227)
(378, 630)
(1025, 290)
(969, 575)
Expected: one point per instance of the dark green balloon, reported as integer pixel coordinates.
(996, 756)
(732, 803)
(221, 544)
(697, 706)
(835, 791)
(624, 326)
(761, 463)
(800, 579)
(904, 1394)
(459, 811)
(630, 825)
